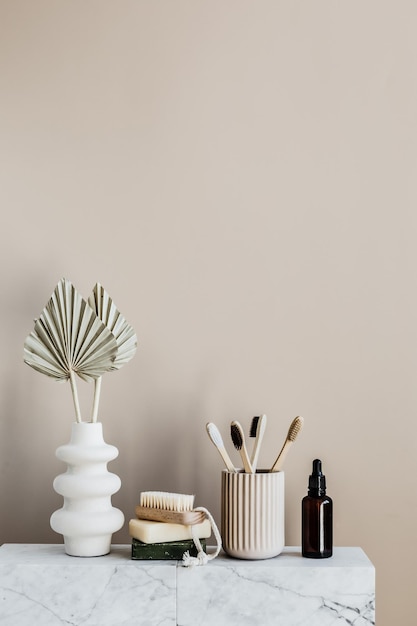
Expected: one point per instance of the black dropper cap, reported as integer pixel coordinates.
(317, 480)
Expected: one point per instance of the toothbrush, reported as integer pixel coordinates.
(216, 438)
(238, 439)
(257, 430)
(293, 432)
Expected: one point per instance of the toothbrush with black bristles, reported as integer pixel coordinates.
(257, 430)
(238, 438)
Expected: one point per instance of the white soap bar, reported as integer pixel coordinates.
(161, 532)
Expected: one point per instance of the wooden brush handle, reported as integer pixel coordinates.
(281, 456)
(186, 518)
(245, 460)
(226, 459)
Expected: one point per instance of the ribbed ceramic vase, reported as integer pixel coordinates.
(87, 520)
(252, 514)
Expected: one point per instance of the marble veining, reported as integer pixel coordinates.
(91, 592)
(288, 591)
(40, 584)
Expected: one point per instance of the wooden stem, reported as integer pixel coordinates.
(75, 396)
(96, 400)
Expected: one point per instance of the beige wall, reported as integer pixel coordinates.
(241, 177)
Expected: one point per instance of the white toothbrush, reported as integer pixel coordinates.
(216, 438)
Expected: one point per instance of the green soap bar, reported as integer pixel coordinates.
(171, 550)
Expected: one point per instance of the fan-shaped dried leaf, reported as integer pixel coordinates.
(68, 336)
(125, 336)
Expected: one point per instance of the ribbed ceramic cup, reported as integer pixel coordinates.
(252, 514)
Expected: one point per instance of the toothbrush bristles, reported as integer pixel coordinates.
(254, 426)
(295, 428)
(236, 436)
(215, 435)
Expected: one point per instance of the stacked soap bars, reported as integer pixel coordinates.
(162, 527)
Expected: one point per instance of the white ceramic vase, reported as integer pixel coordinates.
(87, 519)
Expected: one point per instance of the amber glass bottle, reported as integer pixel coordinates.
(317, 517)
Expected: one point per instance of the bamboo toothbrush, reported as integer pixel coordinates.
(238, 438)
(257, 430)
(216, 438)
(175, 508)
(293, 432)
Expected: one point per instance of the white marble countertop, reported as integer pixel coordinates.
(40, 584)
(42, 553)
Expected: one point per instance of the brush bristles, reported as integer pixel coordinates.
(254, 426)
(236, 436)
(295, 428)
(167, 501)
(214, 434)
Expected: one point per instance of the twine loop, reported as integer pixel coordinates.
(202, 557)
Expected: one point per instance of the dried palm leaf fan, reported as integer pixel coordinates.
(70, 339)
(123, 333)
